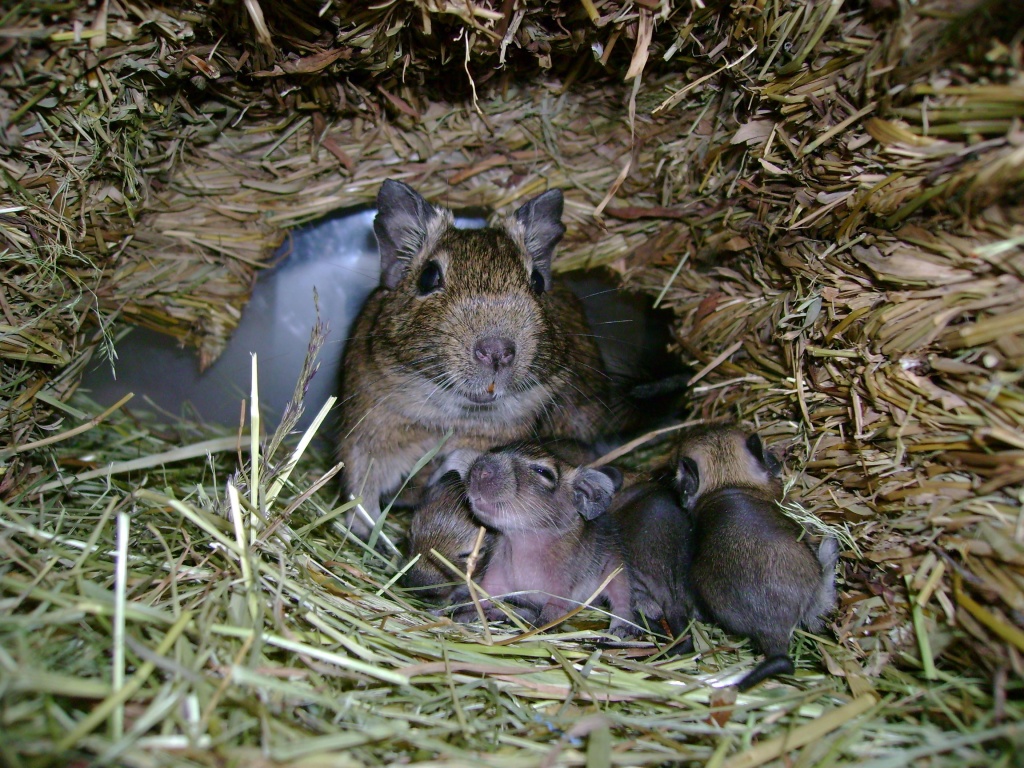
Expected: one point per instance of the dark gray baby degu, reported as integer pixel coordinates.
(657, 545)
(753, 572)
(467, 331)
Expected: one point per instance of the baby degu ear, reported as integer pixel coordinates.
(764, 456)
(541, 229)
(687, 478)
(613, 474)
(401, 225)
(450, 479)
(592, 492)
(458, 461)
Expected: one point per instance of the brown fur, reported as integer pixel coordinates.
(554, 544)
(409, 372)
(753, 573)
(725, 461)
(442, 525)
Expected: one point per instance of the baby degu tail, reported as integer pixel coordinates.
(773, 665)
(824, 599)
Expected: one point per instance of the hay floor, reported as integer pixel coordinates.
(151, 617)
(829, 195)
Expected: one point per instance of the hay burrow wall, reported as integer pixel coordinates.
(828, 195)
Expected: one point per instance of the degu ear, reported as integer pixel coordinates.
(402, 222)
(614, 474)
(688, 479)
(592, 492)
(765, 457)
(458, 461)
(542, 228)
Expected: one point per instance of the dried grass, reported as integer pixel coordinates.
(155, 616)
(827, 194)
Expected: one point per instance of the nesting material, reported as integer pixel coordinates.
(827, 194)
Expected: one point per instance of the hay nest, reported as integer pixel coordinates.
(830, 198)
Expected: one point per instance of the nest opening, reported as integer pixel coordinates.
(827, 197)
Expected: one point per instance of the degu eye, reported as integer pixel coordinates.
(546, 472)
(537, 282)
(431, 278)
